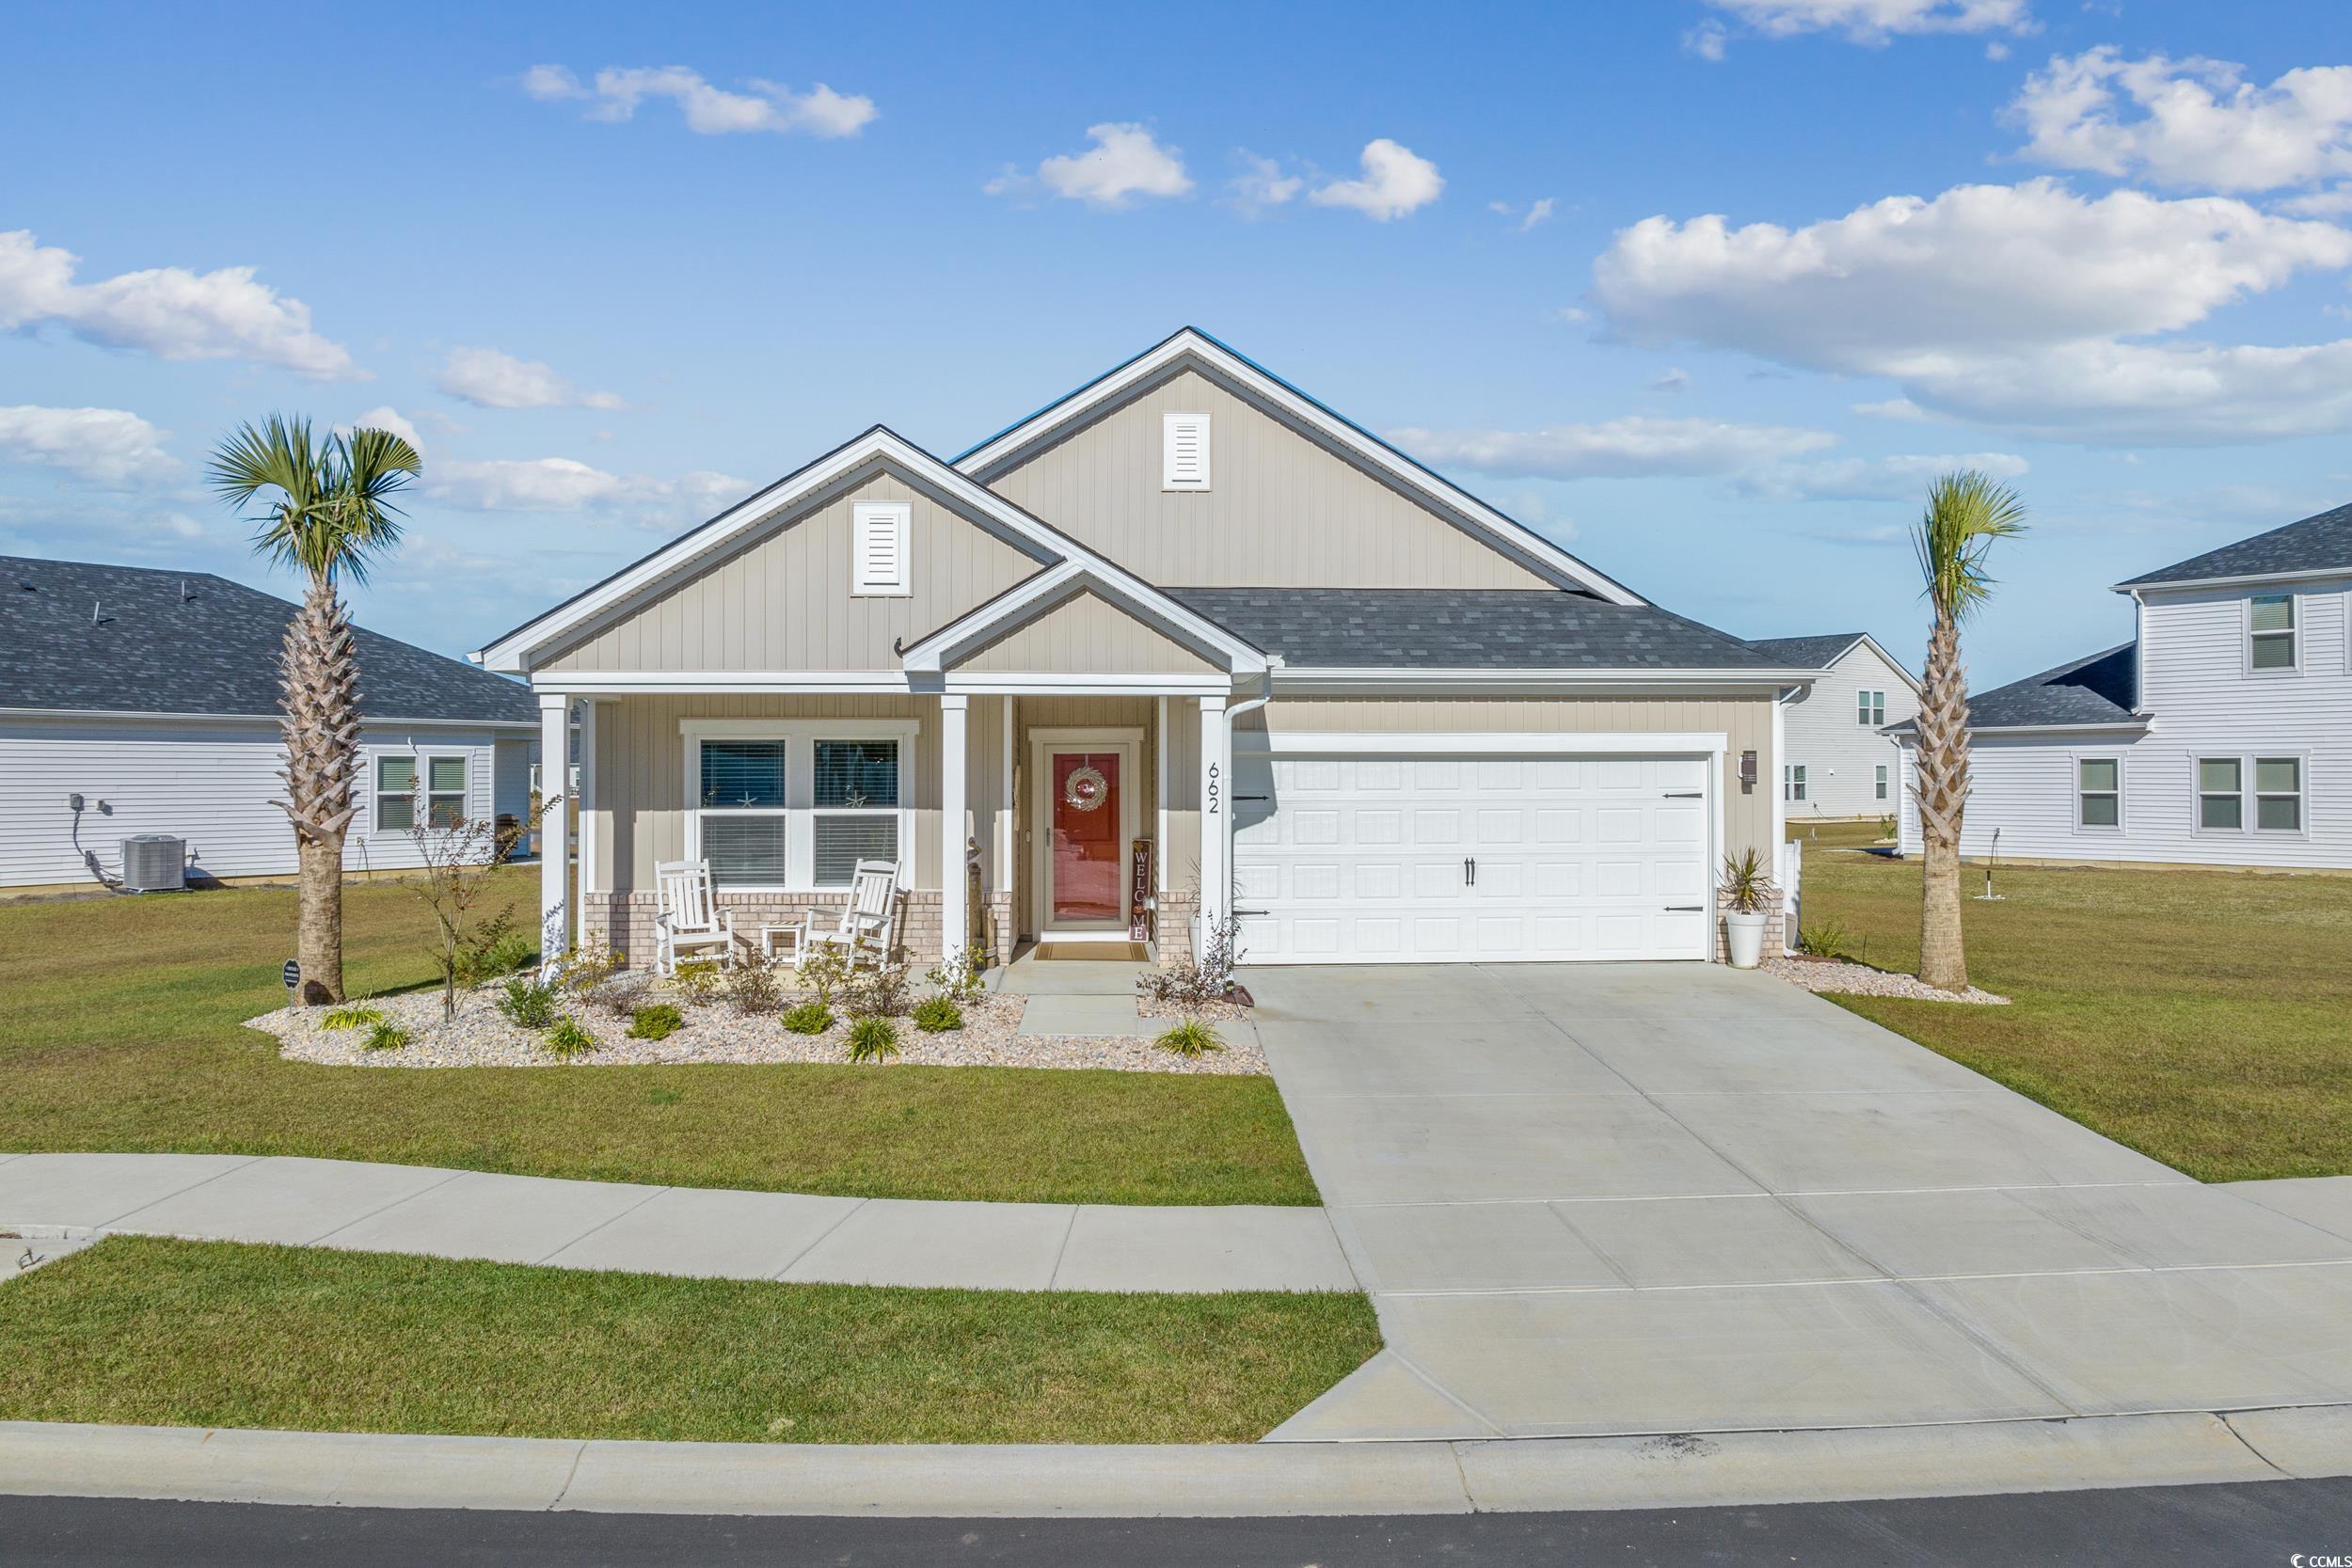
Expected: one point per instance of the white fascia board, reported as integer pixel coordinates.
(625, 683)
(102, 714)
(1485, 743)
(2253, 579)
(1050, 683)
(1504, 532)
(2118, 726)
(1291, 680)
(1049, 588)
(1896, 664)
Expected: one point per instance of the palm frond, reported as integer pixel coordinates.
(327, 505)
(1966, 511)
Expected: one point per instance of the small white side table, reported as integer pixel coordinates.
(780, 943)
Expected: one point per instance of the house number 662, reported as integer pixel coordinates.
(1216, 790)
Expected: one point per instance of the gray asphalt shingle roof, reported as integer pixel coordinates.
(2099, 690)
(1810, 653)
(1447, 628)
(2320, 543)
(192, 643)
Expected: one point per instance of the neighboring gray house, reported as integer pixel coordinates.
(2221, 735)
(1838, 760)
(149, 697)
(1186, 641)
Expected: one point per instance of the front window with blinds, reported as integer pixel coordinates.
(2098, 792)
(794, 805)
(406, 784)
(2270, 633)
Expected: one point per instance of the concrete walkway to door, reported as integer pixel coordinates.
(1650, 1199)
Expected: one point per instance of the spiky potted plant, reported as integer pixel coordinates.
(1748, 898)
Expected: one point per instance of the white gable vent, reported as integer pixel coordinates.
(1185, 451)
(881, 530)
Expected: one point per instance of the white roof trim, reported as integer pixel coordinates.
(1048, 589)
(512, 653)
(1294, 678)
(1893, 663)
(1502, 532)
(2311, 574)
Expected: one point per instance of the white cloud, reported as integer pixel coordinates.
(2003, 304)
(1539, 211)
(565, 485)
(1396, 181)
(1631, 448)
(1705, 41)
(708, 111)
(1125, 162)
(2132, 393)
(1903, 478)
(489, 379)
(1675, 380)
(1260, 184)
(1874, 22)
(1892, 408)
(105, 446)
(383, 417)
(167, 311)
(2186, 123)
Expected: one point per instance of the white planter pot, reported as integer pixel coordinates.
(1745, 938)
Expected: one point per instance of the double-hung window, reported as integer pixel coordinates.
(794, 805)
(2279, 795)
(1870, 708)
(1793, 782)
(2221, 793)
(1878, 783)
(2098, 792)
(402, 781)
(2270, 633)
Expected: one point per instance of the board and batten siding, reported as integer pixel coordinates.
(784, 600)
(2205, 702)
(1280, 512)
(1085, 634)
(1745, 722)
(1837, 751)
(211, 783)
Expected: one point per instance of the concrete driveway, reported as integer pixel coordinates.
(1666, 1198)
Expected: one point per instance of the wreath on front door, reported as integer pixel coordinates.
(1086, 789)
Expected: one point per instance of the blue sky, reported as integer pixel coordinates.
(1704, 288)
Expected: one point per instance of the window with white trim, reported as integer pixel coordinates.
(1870, 708)
(2279, 795)
(2098, 792)
(879, 532)
(794, 805)
(1878, 783)
(1793, 782)
(2221, 793)
(1183, 451)
(2270, 632)
(402, 781)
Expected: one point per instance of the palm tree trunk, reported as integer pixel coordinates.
(319, 680)
(1943, 795)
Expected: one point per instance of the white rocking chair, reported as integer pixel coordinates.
(867, 925)
(689, 925)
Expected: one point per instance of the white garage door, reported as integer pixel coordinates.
(1435, 860)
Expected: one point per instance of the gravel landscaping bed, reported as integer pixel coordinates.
(481, 1036)
(1862, 980)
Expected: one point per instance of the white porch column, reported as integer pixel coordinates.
(955, 759)
(589, 876)
(555, 755)
(1216, 880)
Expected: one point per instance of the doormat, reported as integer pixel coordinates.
(1099, 951)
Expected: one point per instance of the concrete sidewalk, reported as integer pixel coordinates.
(676, 1230)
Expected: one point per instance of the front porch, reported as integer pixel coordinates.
(1064, 815)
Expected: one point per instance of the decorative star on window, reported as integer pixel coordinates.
(748, 801)
(854, 800)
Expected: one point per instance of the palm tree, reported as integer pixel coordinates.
(1966, 512)
(327, 514)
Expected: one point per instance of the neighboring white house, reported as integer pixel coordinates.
(2220, 736)
(135, 701)
(1838, 760)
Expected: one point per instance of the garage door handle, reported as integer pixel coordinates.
(1686, 909)
(1686, 795)
(1249, 911)
(1470, 873)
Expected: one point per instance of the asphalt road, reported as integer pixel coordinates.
(2211, 1527)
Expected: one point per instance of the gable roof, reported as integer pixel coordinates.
(1823, 651)
(2095, 692)
(1048, 590)
(166, 642)
(2316, 546)
(1423, 629)
(1191, 346)
(877, 446)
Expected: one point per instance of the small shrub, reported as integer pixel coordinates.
(528, 1004)
(566, 1038)
(1191, 1037)
(754, 987)
(935, 1015)
(586, 970)
(1825, 938)
(873, 1039)
(352, 1018)
(809, 1018)
(497, 947)
(823, 971)
(386, 1037)
(657, 1022)
(960, 980)
(1747, 883)
(877, 992)
(1207, 980)
(1886, 828)
(697, 982)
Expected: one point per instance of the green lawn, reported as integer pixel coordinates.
(120, 1028)
(2203, 1017)
(169, 1333)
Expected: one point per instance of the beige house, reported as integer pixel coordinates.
(1185, 645)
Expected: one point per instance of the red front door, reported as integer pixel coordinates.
(1085, 878)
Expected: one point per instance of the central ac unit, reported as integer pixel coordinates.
(154, 863)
